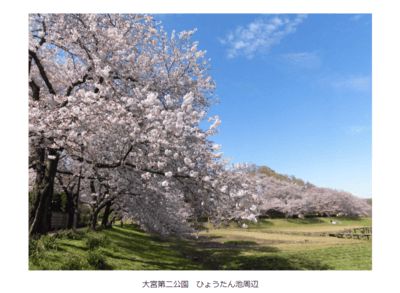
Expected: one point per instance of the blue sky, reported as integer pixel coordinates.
(295, 91)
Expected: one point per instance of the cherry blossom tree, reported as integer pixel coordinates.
(294, 199)
(278, 195)
(244, 194)
(332, 202)
(122, 101)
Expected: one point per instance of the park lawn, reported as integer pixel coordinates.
(355, 257)
(283, 242)
(130, 249)
(221, 249)
(299, 226)
(308, 224)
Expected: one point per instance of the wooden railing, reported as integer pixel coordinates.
(347, 233)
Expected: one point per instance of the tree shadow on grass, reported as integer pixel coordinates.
(158, 264)
(210, 237)
(305, 221)
(142, 247)
(174, 254)
(72, 246)
(232, 259)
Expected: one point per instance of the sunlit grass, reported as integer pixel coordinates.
(303, 224)
(130, 249)
(256, 248)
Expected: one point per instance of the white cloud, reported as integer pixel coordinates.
(260, 35)
(356, 17)
(354, 83)
(300, 60)
(160, 16)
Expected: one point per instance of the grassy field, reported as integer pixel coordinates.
(260, 247)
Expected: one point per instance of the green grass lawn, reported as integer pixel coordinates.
(307, 224)
(129, 248)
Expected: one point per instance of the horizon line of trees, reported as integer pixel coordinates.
(291, 198)
(253, 169)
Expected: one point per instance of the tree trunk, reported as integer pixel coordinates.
(70, 207)
(71, 215)
(77, 198)
(93, 219)
(112, 221)
(40, 213)
(107, 213)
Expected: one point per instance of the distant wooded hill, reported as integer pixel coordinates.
(271, 173)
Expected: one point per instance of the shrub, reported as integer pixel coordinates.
(49, 242)
(32, 246)
(105, 241)
(114, 247)
(97, 260)
(73, 263)
(37, 246)
(71, 234)
(59, 202)
(62, 234)
(84, 214)
(87, 230)
(93, 243)
(75, 235)
(35, 250)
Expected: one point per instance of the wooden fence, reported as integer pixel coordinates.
(347, 233)
(60, 220)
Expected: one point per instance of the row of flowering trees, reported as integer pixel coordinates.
(116, 103)
(114, 112)
(294, 199)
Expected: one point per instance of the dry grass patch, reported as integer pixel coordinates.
(312, 229)
(281, 241)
